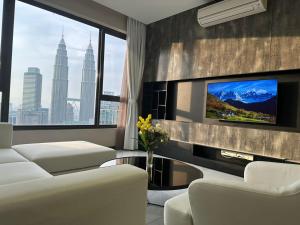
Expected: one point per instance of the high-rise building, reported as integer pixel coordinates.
(32, 89)
(31, 111)
(32, 117)
(60, 85)
(109, 111)
(87, 98)
(70, 113)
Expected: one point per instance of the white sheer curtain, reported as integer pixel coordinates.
(136, 40)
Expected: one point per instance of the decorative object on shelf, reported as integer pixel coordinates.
(150, 136)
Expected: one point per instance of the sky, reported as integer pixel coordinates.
(37, 33)
(259, 86)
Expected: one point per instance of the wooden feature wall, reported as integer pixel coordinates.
(178, 48)
(275, 144)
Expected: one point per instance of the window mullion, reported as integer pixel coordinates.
(110, 98)
(100, 77)
(6, 55)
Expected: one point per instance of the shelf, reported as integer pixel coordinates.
(155, 99)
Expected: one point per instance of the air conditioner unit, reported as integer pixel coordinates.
(227, 10)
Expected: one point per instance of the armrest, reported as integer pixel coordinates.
(269, 173)
(226, 203)
(110, 196)
(6, 131)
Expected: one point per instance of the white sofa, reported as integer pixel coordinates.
(269, 195)
(30, 195)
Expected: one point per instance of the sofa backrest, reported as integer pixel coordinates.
(6, 131)
(278, 175)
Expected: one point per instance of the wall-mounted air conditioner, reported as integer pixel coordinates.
(227, 10)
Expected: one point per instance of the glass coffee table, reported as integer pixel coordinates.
(169, 177)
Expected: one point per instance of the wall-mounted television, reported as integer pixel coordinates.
(251, 101)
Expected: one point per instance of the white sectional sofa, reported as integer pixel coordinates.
(31, 195)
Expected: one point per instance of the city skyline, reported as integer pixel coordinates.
(36, 41)
(62, 111)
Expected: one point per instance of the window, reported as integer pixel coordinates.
(53, 79)
(114, 60)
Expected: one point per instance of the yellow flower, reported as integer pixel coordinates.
(143, 127)
(145, 124)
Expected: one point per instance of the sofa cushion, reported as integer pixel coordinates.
(6, 131)
(178, 211)
(8, 155)
(20, 172)
(64, 156)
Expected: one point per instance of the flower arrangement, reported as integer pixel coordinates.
(151, 136)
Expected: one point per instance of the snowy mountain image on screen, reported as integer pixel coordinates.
(249, 96)
(247, 101)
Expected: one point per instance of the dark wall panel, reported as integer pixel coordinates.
(285, 35)
(178, 48)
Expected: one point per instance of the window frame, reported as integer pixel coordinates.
(6, 62)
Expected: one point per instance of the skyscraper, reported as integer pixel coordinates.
(32, 89)
(70, 113)
(87, 98)
(31, 111)
(60, 85)
(109, 111)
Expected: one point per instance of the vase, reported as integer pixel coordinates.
(149, 164)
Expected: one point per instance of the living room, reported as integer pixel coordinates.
(150, 112)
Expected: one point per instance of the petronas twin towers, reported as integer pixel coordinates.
(60, 86)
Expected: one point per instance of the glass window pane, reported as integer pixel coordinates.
(53, 80)
(114, 59)
(109, 112)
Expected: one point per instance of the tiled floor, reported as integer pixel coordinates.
(155, 213)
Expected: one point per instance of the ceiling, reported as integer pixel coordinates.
(149, 11)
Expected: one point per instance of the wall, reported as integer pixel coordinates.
(104, 137)
(92, 11)
(178, 48)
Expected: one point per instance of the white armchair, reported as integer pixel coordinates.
(269, 195)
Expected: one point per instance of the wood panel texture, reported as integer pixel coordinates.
(275, 144)
(178, 48)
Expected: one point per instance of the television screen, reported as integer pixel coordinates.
(243, 101)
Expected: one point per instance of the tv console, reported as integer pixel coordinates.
(225, 146)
